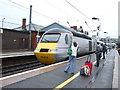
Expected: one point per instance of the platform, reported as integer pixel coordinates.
(16, 54)
(101, 77)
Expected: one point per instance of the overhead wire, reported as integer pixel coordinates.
(12, 5)
(58, 9)
(10, 18)
(33, 10)
(88, 26)
(64, 12)
(43, 14)
(39, 12)
(26, 9)
(80, 11)
(11, 23)
(18, 4)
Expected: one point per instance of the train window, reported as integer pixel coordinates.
(90, 45)
(66, 39)
(70, 39)
(50, 38)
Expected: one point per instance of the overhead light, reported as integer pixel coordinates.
(95, 18)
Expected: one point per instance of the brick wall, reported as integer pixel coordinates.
(14, 40)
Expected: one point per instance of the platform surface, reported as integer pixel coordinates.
(101, 76)
(16, 54)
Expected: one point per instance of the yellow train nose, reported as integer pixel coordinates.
(45, 57)
(43, 53)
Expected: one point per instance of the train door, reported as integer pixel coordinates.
(90, 45)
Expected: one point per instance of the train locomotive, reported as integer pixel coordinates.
(54, 44)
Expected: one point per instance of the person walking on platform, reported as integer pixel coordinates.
(98, 52)
(72, 58)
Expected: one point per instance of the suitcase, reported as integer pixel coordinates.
(89, 63)
(82, 72)
(85, 70)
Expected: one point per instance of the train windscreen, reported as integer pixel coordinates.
(50, 38)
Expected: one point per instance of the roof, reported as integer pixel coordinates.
(57, 25)
(58, 30)
(54, 25)
(12, 30)
(34, 27)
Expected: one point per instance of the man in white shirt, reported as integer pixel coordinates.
(72, 58)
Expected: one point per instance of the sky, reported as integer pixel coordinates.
(46, 12)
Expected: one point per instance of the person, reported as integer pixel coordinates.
(98, 52)
(72, 58)
(101, 48)
(104, 50)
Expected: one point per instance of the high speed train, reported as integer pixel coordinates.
(54, 44)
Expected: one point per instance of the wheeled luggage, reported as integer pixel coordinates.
(89, 63)
(87, 68)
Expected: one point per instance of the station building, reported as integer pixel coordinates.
(14, 40)
(18, 39)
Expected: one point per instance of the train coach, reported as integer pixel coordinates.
(54, 44)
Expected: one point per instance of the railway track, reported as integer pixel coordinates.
(20, 68)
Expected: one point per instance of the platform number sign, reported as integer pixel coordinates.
(1, 31)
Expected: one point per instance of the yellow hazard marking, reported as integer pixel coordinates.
(68, 80)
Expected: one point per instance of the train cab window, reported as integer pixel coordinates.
(66, 39)
(50, 37)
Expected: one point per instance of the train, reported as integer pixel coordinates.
(54, 44)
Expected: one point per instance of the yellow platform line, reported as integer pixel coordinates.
(68, 80)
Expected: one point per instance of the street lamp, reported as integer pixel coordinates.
(106, 32)
(2, 22)
(106, 37)
(98, 27)
(94, 18)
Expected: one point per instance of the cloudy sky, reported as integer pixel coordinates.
(46, 12)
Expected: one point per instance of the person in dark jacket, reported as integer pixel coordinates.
(103, 50)
(98, 52)
(106, 48)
